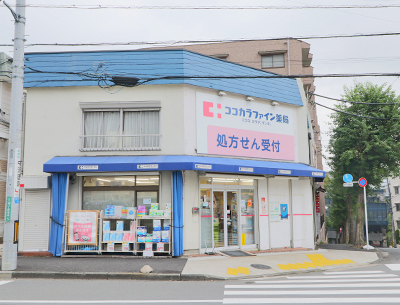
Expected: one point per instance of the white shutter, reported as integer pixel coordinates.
(34, 222)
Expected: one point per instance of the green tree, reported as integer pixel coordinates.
(365, 142)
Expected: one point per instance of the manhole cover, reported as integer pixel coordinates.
(260, 266)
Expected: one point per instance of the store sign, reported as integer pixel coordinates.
(317, 203)
(203, 166)
(246, 169)
(229, 126)
(284, 171)
(87, 167)
(147, 166)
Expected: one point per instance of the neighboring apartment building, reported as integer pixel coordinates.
(395, 200)
(285, 57)
(5, 101)
(232, 156)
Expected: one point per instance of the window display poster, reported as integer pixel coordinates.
(274, 211)
(263, 206)
(82, 227)
(284, 211)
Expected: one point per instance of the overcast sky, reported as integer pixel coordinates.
(335, 55)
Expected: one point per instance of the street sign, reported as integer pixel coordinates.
(362, 182)
(350, 184)
(347, 178)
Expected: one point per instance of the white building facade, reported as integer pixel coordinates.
(231, 156)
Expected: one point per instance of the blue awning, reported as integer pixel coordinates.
(174, 163)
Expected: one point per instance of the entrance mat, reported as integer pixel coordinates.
(236, 253)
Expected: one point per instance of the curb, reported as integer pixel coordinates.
(107, 276)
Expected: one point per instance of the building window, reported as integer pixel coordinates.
(396, 190)
(273, 61)
(397, 207)
(126, 191)
(121, 130)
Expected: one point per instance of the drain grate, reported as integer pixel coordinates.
(260, 266)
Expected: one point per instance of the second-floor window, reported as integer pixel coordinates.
(396, 190)
(121, 130)
(273, 61)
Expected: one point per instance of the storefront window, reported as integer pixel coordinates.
(109, 181)
(225, 181)
(205, 180)
(246, 181)
(127, 191)
(147, 180)
(98, 200)
(247, 219)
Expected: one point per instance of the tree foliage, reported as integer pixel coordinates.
(366, 144)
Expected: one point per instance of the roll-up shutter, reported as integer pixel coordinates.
(34, 221)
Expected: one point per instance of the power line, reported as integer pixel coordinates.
(171, 7)
(85, 73)
(177, 42)
(339, 100)
(352, 114)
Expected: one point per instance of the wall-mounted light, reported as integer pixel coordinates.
(221, 93)
(249, 99)
(274, 103)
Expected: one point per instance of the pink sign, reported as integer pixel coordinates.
(248, 143)
(82, 232)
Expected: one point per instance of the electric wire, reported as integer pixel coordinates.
(205, 41)
(353, 114)
(173, 7)
(362, 103)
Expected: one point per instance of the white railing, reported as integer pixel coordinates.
(121, 142)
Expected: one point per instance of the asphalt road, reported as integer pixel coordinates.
(375, 284)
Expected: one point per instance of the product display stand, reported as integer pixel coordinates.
(153, 235)
(117, 234)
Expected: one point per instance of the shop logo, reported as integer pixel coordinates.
(87, 167)
(284, 171)
(207, 112)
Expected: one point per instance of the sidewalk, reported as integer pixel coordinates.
(195, 267)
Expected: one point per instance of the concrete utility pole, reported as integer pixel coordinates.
(9, 260)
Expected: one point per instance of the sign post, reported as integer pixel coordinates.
(363, 183)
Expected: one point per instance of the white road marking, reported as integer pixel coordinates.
(394, 267)
(5, 282)
(344, 285)
(328, 281)
(106, 302)
(342, 276)
(353, 272)
(311, 292)
(379, 300)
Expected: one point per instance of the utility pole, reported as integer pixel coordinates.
(9, 259)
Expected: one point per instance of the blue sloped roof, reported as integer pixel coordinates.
(168, 163)
(61, 68)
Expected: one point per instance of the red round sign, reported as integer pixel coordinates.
(362, 182)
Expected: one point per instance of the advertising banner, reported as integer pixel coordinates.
(82, 227)
(228, 126)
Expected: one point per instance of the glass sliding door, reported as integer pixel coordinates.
(232, 217)
(219, 219)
